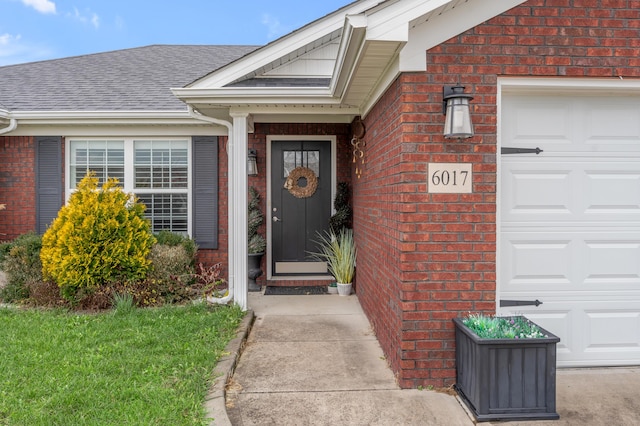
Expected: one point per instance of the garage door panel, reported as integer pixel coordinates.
(520, 131)
(612, 263)
(614, 190)
(612, 328)
(570, 190)
(523, 257)
(570, 261)
(611, 123)
(534, 192)
(580, 124)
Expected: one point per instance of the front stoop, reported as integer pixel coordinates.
(215, 402)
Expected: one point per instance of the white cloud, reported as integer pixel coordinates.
(273, 26)
(95, 20)
(7, 39)
(89, 18)
(42, 6)
(13, 50)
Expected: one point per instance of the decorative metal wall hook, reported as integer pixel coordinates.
(358, 129)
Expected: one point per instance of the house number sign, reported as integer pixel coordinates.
(449, 178)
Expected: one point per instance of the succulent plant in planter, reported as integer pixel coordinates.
(256, 243)
(506, 368)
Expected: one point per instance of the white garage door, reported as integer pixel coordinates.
(569, 224)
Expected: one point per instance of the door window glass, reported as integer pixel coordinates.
(293, 159)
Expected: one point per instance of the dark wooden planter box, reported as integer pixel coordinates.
(506, 379)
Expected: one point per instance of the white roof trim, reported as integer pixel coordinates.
(164, 118)
(391, 22)
(281, 47)
(242, 96)
(351, 43)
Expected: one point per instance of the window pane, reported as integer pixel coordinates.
(166, 211)
(104, 158)
(161, 164)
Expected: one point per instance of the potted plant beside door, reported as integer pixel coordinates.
(256, 243)
(506, 368)
(339, 251)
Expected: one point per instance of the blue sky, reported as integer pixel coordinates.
(35, 30)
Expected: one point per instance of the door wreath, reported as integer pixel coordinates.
(291, 183)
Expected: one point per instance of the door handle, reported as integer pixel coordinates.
(277, 219)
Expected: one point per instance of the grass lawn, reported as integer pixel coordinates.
(144, 367)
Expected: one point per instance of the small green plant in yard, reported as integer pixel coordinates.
(488, 327)
(20, 260)
(210, 280)
(150, 367)
(123, 303)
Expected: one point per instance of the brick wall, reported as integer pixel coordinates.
(17, 186)
(443, 246)
(379, 212)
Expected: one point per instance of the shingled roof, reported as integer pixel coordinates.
(136, 79)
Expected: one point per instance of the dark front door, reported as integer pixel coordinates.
(297, 212)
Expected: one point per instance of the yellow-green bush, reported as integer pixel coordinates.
(99, 237)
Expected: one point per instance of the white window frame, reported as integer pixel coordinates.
(129, 169)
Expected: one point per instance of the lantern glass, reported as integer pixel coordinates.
(457, 116)
(252, 163)
(458, 119)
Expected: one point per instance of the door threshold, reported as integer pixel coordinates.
(302, 278)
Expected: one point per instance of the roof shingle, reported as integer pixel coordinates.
(137, 79)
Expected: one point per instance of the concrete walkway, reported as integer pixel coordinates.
(314, 360)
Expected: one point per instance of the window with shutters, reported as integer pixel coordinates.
(156, 170)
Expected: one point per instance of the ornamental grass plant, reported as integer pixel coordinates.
(488, 327)
(339, 251)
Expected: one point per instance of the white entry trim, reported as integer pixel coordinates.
(268, 217)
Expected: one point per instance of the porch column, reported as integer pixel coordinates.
(237, 154)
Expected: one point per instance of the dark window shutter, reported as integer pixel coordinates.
(205, 191)
(48, 180)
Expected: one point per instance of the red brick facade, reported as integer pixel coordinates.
(17, 186)
(425, 258)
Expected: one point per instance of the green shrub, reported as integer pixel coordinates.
(171, 262)
(4, 249)
(99, 237)
(167, 238)
(21, 263)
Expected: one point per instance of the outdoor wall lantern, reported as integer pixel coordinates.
(455, 105)
(252, 163)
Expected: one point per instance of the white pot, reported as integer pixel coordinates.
(332, 289)
(344, 289)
